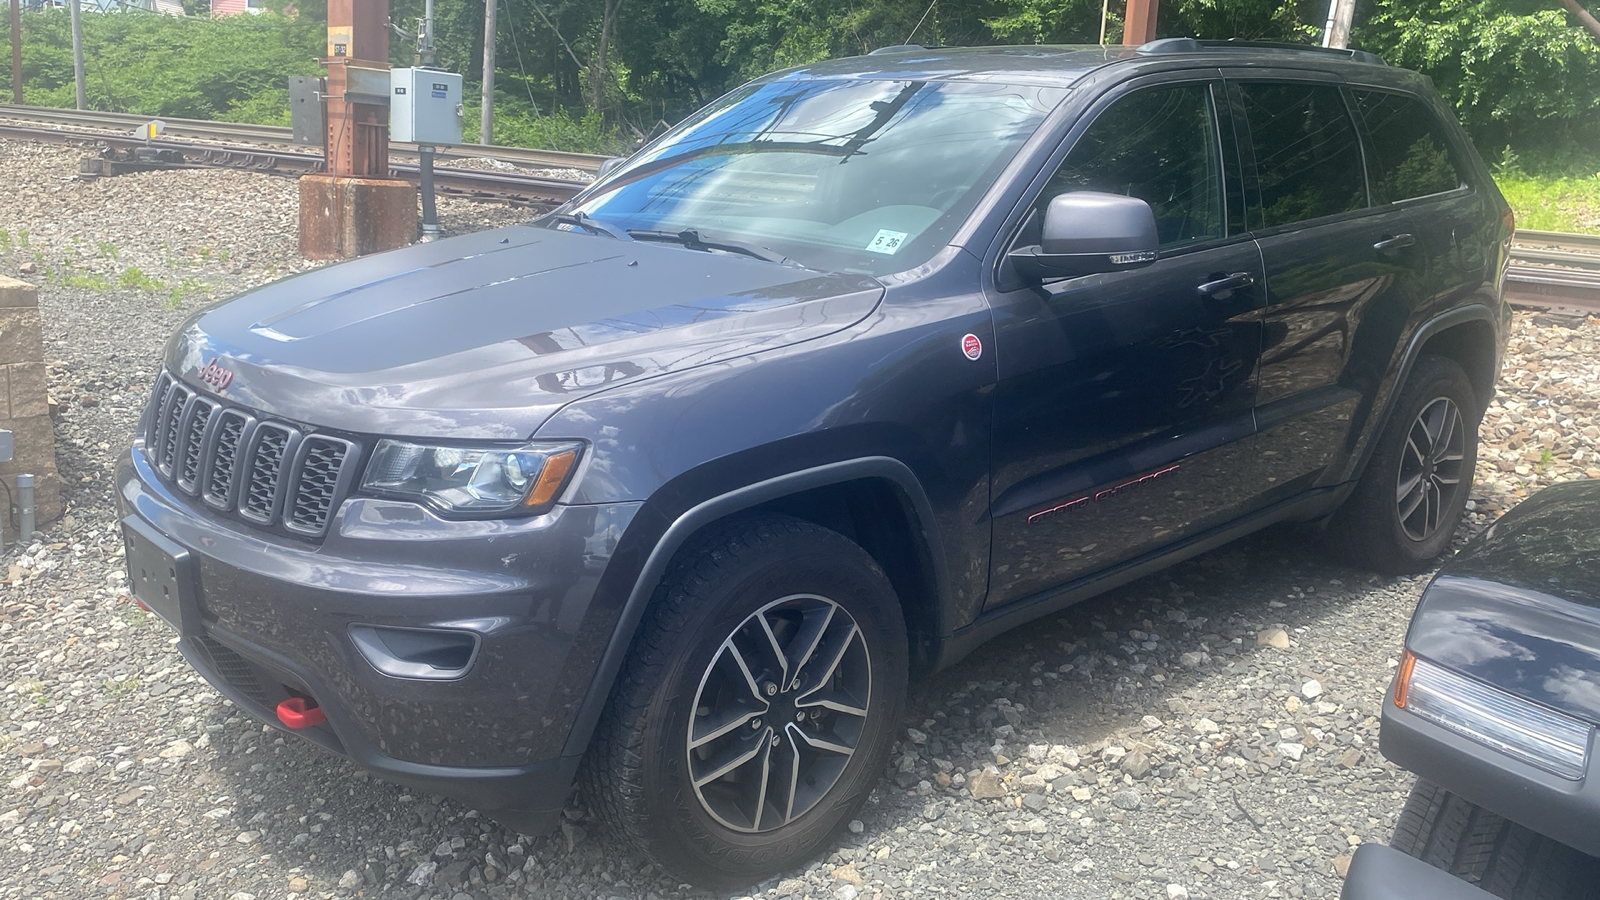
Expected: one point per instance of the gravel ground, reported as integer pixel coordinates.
(1206, 732)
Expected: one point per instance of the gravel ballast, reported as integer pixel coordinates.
(1210, 731)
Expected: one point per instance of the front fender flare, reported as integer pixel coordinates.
(719, 507)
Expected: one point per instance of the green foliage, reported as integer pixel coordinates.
(598, 75)
(235, 68)
(1519, 72)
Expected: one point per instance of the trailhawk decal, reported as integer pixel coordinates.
(1106, 494)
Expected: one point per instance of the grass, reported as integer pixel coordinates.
(1553, 204)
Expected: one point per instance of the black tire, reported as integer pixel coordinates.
(1373, 529)
(768, 577)
(1507, 860)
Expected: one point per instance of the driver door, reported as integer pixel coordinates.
(1123, 414)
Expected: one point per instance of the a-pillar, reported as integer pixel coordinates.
(355, 208)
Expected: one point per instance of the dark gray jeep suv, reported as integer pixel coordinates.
(670, 491)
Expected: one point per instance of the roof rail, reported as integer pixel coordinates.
(1190, 45)
(896, 48)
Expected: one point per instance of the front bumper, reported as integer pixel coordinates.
(274, 615)
(1549, 804)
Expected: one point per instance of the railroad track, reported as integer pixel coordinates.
(520, 187)
(224, 132)
(1555, 271)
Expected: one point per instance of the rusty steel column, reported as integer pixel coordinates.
(354, 207)
(1139, 25)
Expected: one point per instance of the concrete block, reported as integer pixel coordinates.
(26, 388)
(14, 293)
(21, 336)
(342, 218)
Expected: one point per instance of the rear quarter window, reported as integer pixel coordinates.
(1413, 156)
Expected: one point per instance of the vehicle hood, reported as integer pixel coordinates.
(1520, 607)
(486, 335)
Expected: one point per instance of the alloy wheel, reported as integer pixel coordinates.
(779, 713)
(1431, 468)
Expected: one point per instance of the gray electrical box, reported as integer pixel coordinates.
(5, 445)
(424, 106)
(308, 118)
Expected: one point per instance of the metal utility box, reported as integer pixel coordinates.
(308, 118)
(424, 106)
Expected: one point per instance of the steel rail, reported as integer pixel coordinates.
(269, 134)
(1559, 240)
(516, 187)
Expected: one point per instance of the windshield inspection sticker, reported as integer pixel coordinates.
(887, 241)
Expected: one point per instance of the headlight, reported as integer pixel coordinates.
(474, 481)
(1538, 736)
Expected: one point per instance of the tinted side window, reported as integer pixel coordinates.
(1160, 145)
(1413, 157)
(1308, 158)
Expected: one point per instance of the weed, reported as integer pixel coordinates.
(108, 250)
(125, 686)
(183, 290)
(133, 279)
(22, 237)
(133, 616)
(5, 239)
(90, 281)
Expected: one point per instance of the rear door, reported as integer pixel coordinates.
(1343, 276)
(1416, 167)
(1124, 411)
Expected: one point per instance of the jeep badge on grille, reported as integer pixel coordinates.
(215, 375)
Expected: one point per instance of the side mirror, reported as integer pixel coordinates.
(1085, 232)
(609, 163)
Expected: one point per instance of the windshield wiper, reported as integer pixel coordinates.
(691, 238)
(593, 226)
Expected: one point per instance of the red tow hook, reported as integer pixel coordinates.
(300, 712)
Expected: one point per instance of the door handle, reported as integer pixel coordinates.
(1227, 283)
(1398, 242)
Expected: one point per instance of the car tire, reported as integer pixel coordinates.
(705, 686)
(1509, 861)
(1410, 497)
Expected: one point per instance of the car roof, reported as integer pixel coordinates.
(1061, 65)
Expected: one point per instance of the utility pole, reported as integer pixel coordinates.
(425, 36)
(486, 118)
(16, 52)
(77, 55)
(354, 207)
(1337, 32)
(1139, 25)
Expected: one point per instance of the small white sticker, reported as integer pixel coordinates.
(887, 241)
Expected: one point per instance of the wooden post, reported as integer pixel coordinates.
(1139, 25)
(16, 52)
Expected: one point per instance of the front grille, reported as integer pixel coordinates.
(233, 669)
(271, 474)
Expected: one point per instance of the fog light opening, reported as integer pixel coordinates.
(429, 654)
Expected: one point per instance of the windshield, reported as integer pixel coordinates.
(841, 175)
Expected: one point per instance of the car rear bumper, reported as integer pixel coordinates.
(1549, 804)
(272, 619)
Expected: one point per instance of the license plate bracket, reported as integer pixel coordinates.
(161, 574)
